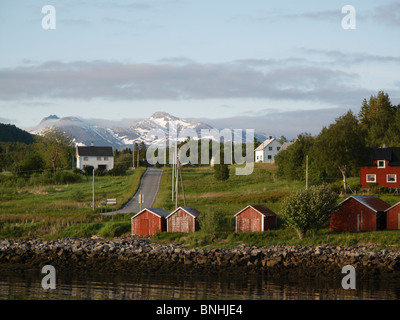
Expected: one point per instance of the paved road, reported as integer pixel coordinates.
(149, 185)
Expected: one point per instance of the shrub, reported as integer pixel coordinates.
(211, 221)
(309, 209)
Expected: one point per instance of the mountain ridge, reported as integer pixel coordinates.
(85, 132)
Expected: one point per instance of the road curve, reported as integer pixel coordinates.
(149, 185)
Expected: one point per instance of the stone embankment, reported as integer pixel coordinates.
(128, 254)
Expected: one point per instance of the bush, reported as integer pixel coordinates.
(211, 221)
(309, 209)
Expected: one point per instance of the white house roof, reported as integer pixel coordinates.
(157, 211)
(192, 211)
(263, 145)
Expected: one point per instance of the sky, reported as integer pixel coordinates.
(281, 67)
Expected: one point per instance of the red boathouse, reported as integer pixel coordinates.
(149, 221)
(359, 213)
(255, 218)
(183, 219)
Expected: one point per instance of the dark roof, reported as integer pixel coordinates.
(157, 211)
(261, 209)
(94, 151)
(192, 211)
(391, 154)
(372, 202)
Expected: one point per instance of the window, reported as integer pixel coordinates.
(85, 159)
(381, 163)
(270, 148)
(98, 158)
(391, 178)
(278, 148)
(371, 177)
(269, 157)
(105, 158)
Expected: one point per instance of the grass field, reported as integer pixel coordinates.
(58, 211)
(205, 193)
(65, 210)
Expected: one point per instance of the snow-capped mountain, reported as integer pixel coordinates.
(84, 132)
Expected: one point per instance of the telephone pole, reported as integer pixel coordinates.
(306, 172)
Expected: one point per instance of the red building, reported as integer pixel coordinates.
(149, 221)
(393, 217)
(183, 219)
(255, 218)
(359, 213)
(384, 169)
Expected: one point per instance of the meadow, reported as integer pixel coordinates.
(65, 210)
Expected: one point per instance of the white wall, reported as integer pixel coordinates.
(94, 162)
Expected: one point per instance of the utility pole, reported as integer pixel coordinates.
(306, 172)
(176, 174)
(173, 174)
(133, 156)
(183, 189)
(137, 157)
(93, 188)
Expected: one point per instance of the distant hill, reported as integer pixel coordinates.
(10, 133)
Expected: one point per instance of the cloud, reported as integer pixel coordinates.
(143, 81)
(277, 123)
(387, 14)
(350, 58)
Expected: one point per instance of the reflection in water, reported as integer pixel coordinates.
(131, 287)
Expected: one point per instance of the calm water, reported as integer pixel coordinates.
(132, 287)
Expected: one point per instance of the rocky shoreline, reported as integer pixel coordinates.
(139, 255)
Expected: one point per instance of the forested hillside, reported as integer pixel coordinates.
(10, 133)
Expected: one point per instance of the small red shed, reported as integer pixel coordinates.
(393, 217)
(255, 218)
(149, 221)
(183, 219)
(359, 213)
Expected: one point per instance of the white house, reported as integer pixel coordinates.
(267, 150)
(97, 157)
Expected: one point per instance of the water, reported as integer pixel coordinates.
(27, 285)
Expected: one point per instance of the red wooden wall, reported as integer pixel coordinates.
(392, 218)
(249, 220)
(380, 175)
(181, 221)
(345, 219)
(147, 223)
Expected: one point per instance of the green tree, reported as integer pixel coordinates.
(341, 147)
(221, 171)
(291, 162)
(376, 118)
(309, 209)
(56, 147)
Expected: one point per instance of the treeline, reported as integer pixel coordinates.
(339, 150)
(10, 133)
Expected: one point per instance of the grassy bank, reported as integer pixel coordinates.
(389, 239)
(57, 211)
